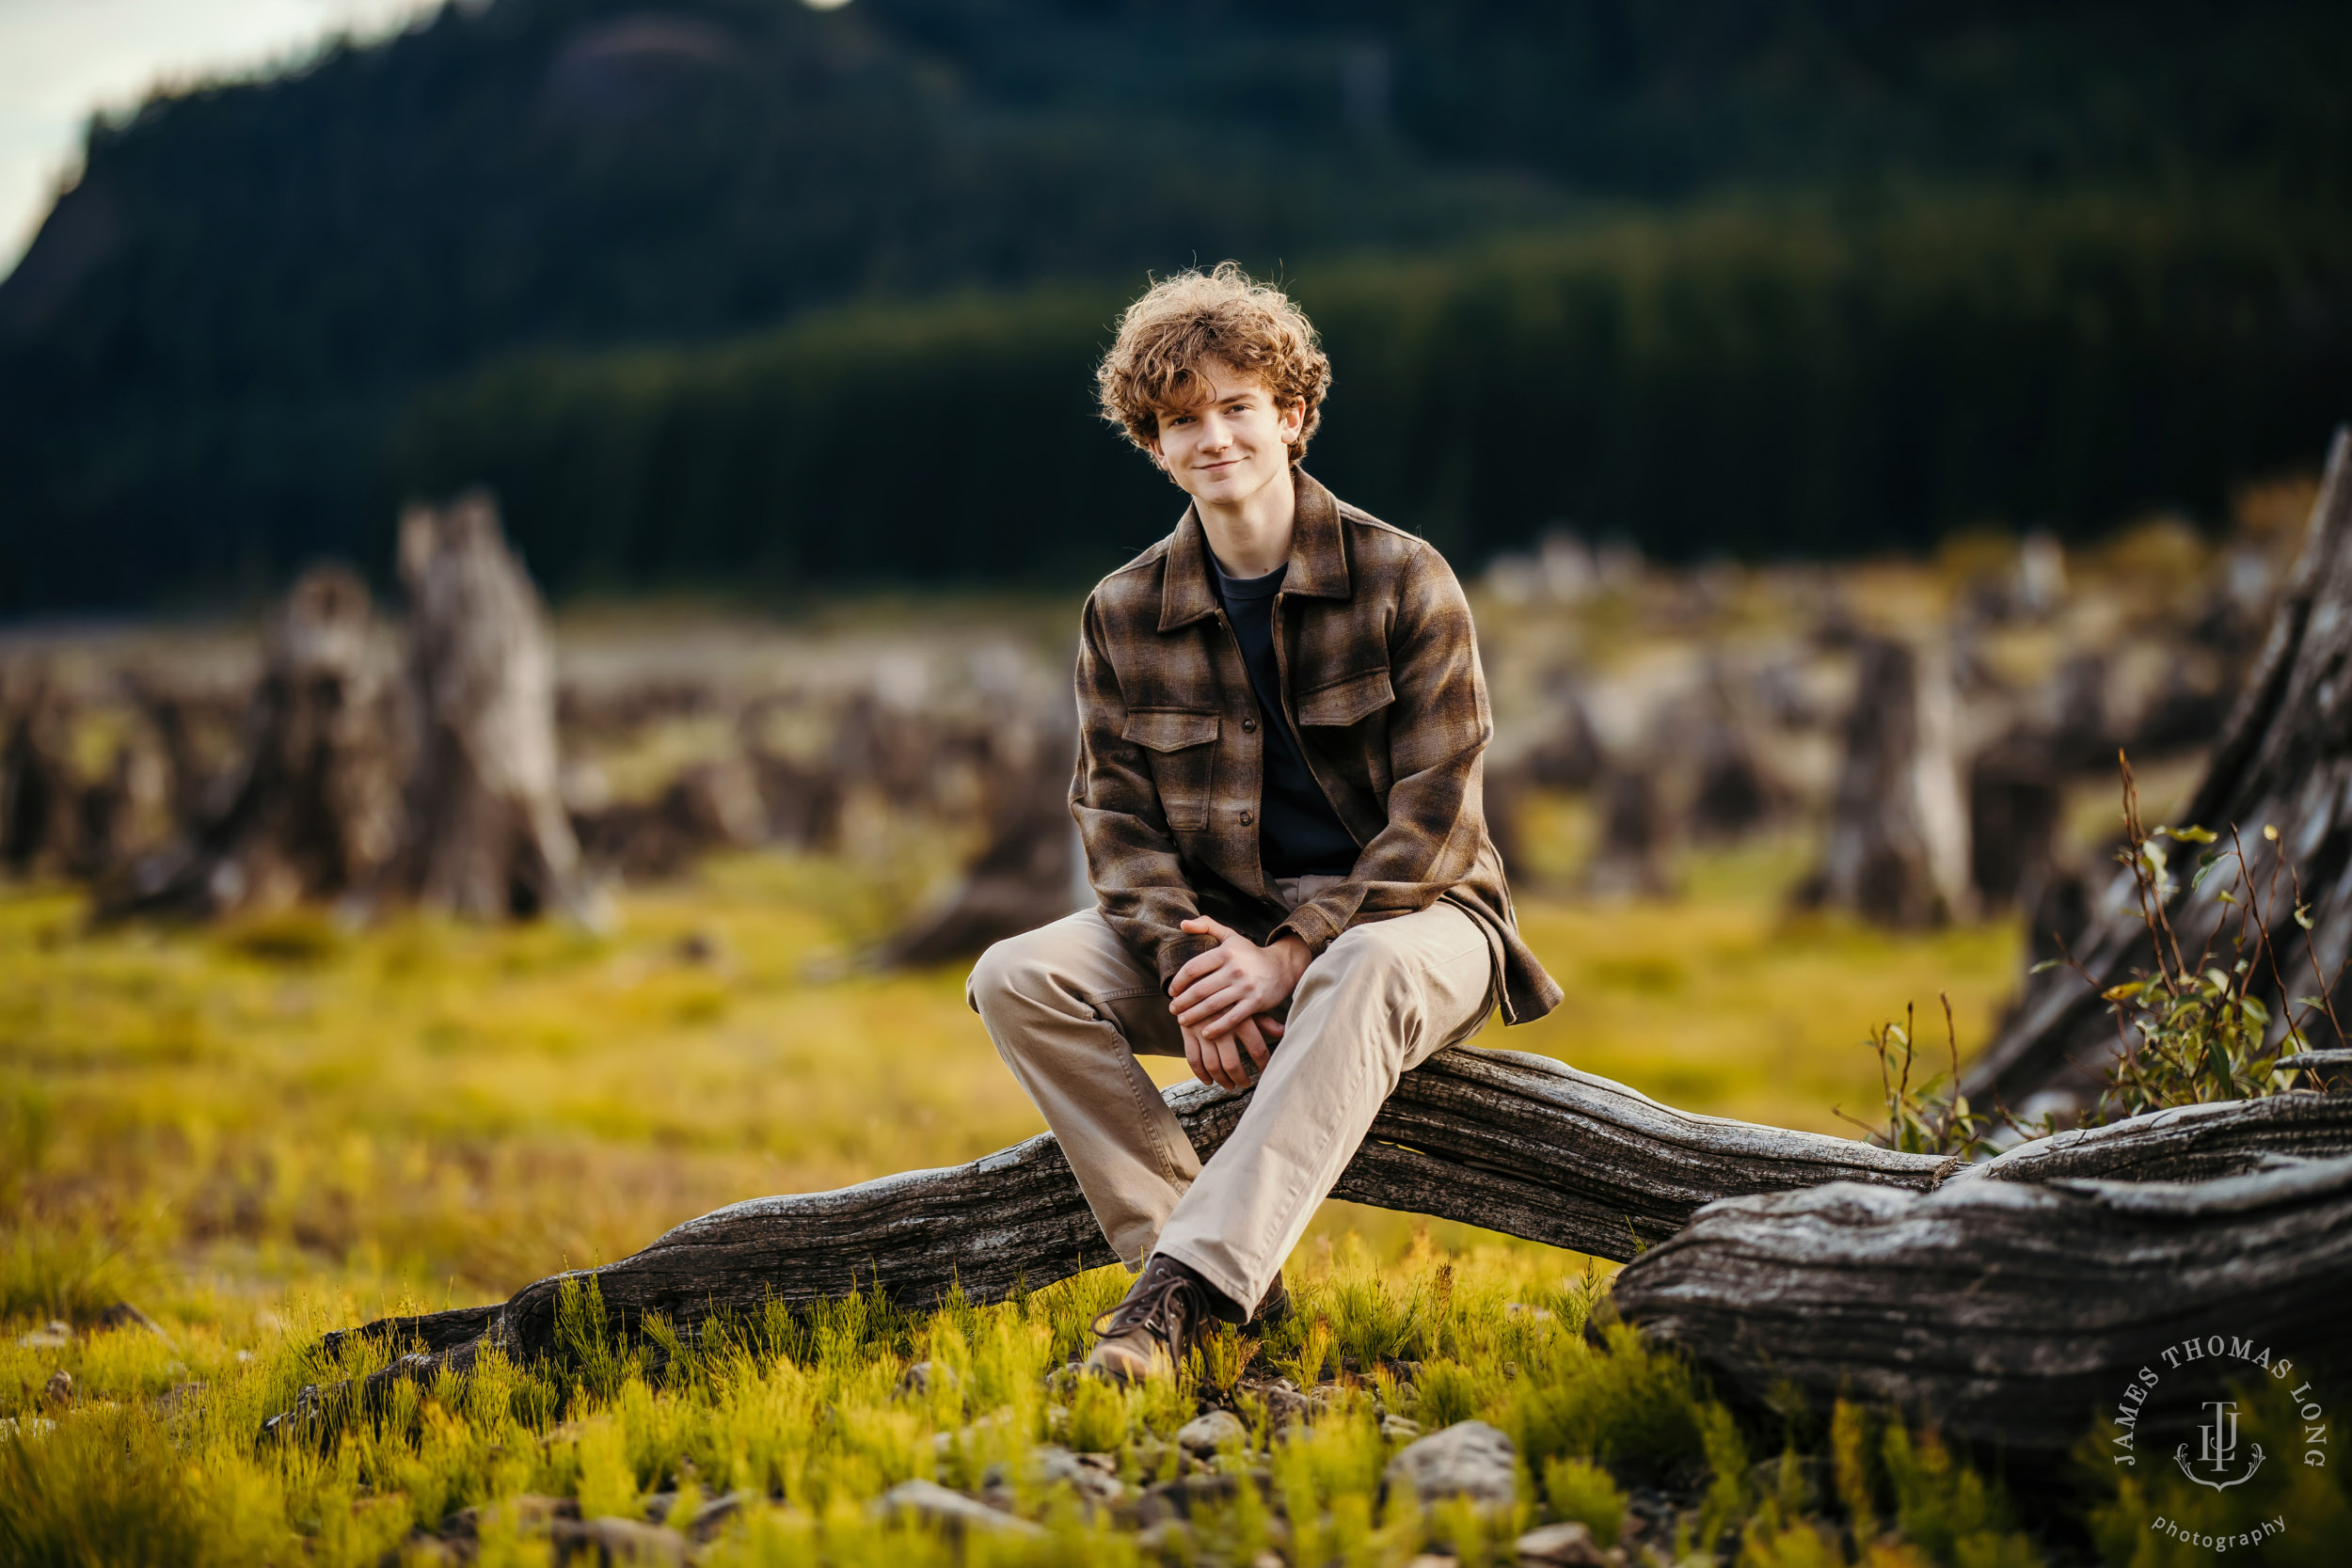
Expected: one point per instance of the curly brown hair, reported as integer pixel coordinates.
(1223, 315)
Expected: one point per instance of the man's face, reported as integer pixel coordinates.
(1231, 445)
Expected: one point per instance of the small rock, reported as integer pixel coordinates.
(1164, 1536)
(1469, 1459)
(610, 1538)
(1565, 1546)
(1397, 1429)
(1205, 1435)
(178, 1398)
(1433, 1559)
(1179, 1498)
(1533, 1314)
(53, 1334)
(534, 1513)
(712, 1516)
(935, 1505)
(917, 1378)
(123, 1314)
(1284, 1403)
(426, 1551)
(58, 1391)
(1049, 1464)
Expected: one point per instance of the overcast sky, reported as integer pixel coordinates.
(59, 59)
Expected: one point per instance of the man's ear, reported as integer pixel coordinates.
(1294, 419)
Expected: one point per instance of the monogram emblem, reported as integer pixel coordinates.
(2217, 1449)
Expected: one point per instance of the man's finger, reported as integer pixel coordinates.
(1232, 1018)
(1215, 979)
(1217, 928)
(1272, 1025)
(1206, 1003)
(1230, 1055)
(1253, 1042)
(1195, 966)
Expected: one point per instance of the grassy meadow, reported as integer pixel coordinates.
(262, 1131)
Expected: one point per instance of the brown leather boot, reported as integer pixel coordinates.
(1164, 1310)
(1274, 1307)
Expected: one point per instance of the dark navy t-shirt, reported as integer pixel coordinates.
(1298, 832)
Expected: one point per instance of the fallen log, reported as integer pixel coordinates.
(1520, 1144)
(2014, 1303)
(1997, 1296)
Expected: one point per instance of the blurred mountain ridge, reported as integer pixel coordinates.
(211, 356)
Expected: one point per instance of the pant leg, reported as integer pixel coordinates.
(1379, 1002)
(1069, 1007)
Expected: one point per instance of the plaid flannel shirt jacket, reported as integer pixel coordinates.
(1380, 673)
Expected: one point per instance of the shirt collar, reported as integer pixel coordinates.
(1318, 564)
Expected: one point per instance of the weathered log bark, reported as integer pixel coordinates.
(488, 835)
(2013, 1303)
(1510, 1142)
(316, 813)
(1896, 851)
(2005, 1300)
(2286, 760)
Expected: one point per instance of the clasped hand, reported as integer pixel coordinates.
(1223, 1001)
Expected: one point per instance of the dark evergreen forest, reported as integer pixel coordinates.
(710, 288)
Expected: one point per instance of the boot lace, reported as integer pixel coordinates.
(1162, 1307)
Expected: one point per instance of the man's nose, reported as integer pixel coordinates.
(1216, 432)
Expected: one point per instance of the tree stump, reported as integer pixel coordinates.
(1628, 859)
(1032, 870)
(40, 824)
(317, 812)
(2014, 796)
(487, 835)
(1896, 851)
(2284, 759)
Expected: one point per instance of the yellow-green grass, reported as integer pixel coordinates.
(811, 1418)
(267, 1129)
(463, 1109)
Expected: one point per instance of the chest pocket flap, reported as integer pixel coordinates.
(1167, 729)
(1346, 700)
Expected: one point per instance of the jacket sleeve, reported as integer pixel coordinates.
(1438, 726)
(1132, 862)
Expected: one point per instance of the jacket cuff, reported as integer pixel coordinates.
(1179, 949)
(1313, 926)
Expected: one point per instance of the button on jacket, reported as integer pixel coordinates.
(1381, 680)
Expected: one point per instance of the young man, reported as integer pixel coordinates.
(1281, 727)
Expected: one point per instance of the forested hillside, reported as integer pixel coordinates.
(1876, 270)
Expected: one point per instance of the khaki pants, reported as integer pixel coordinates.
(1070, 1008)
